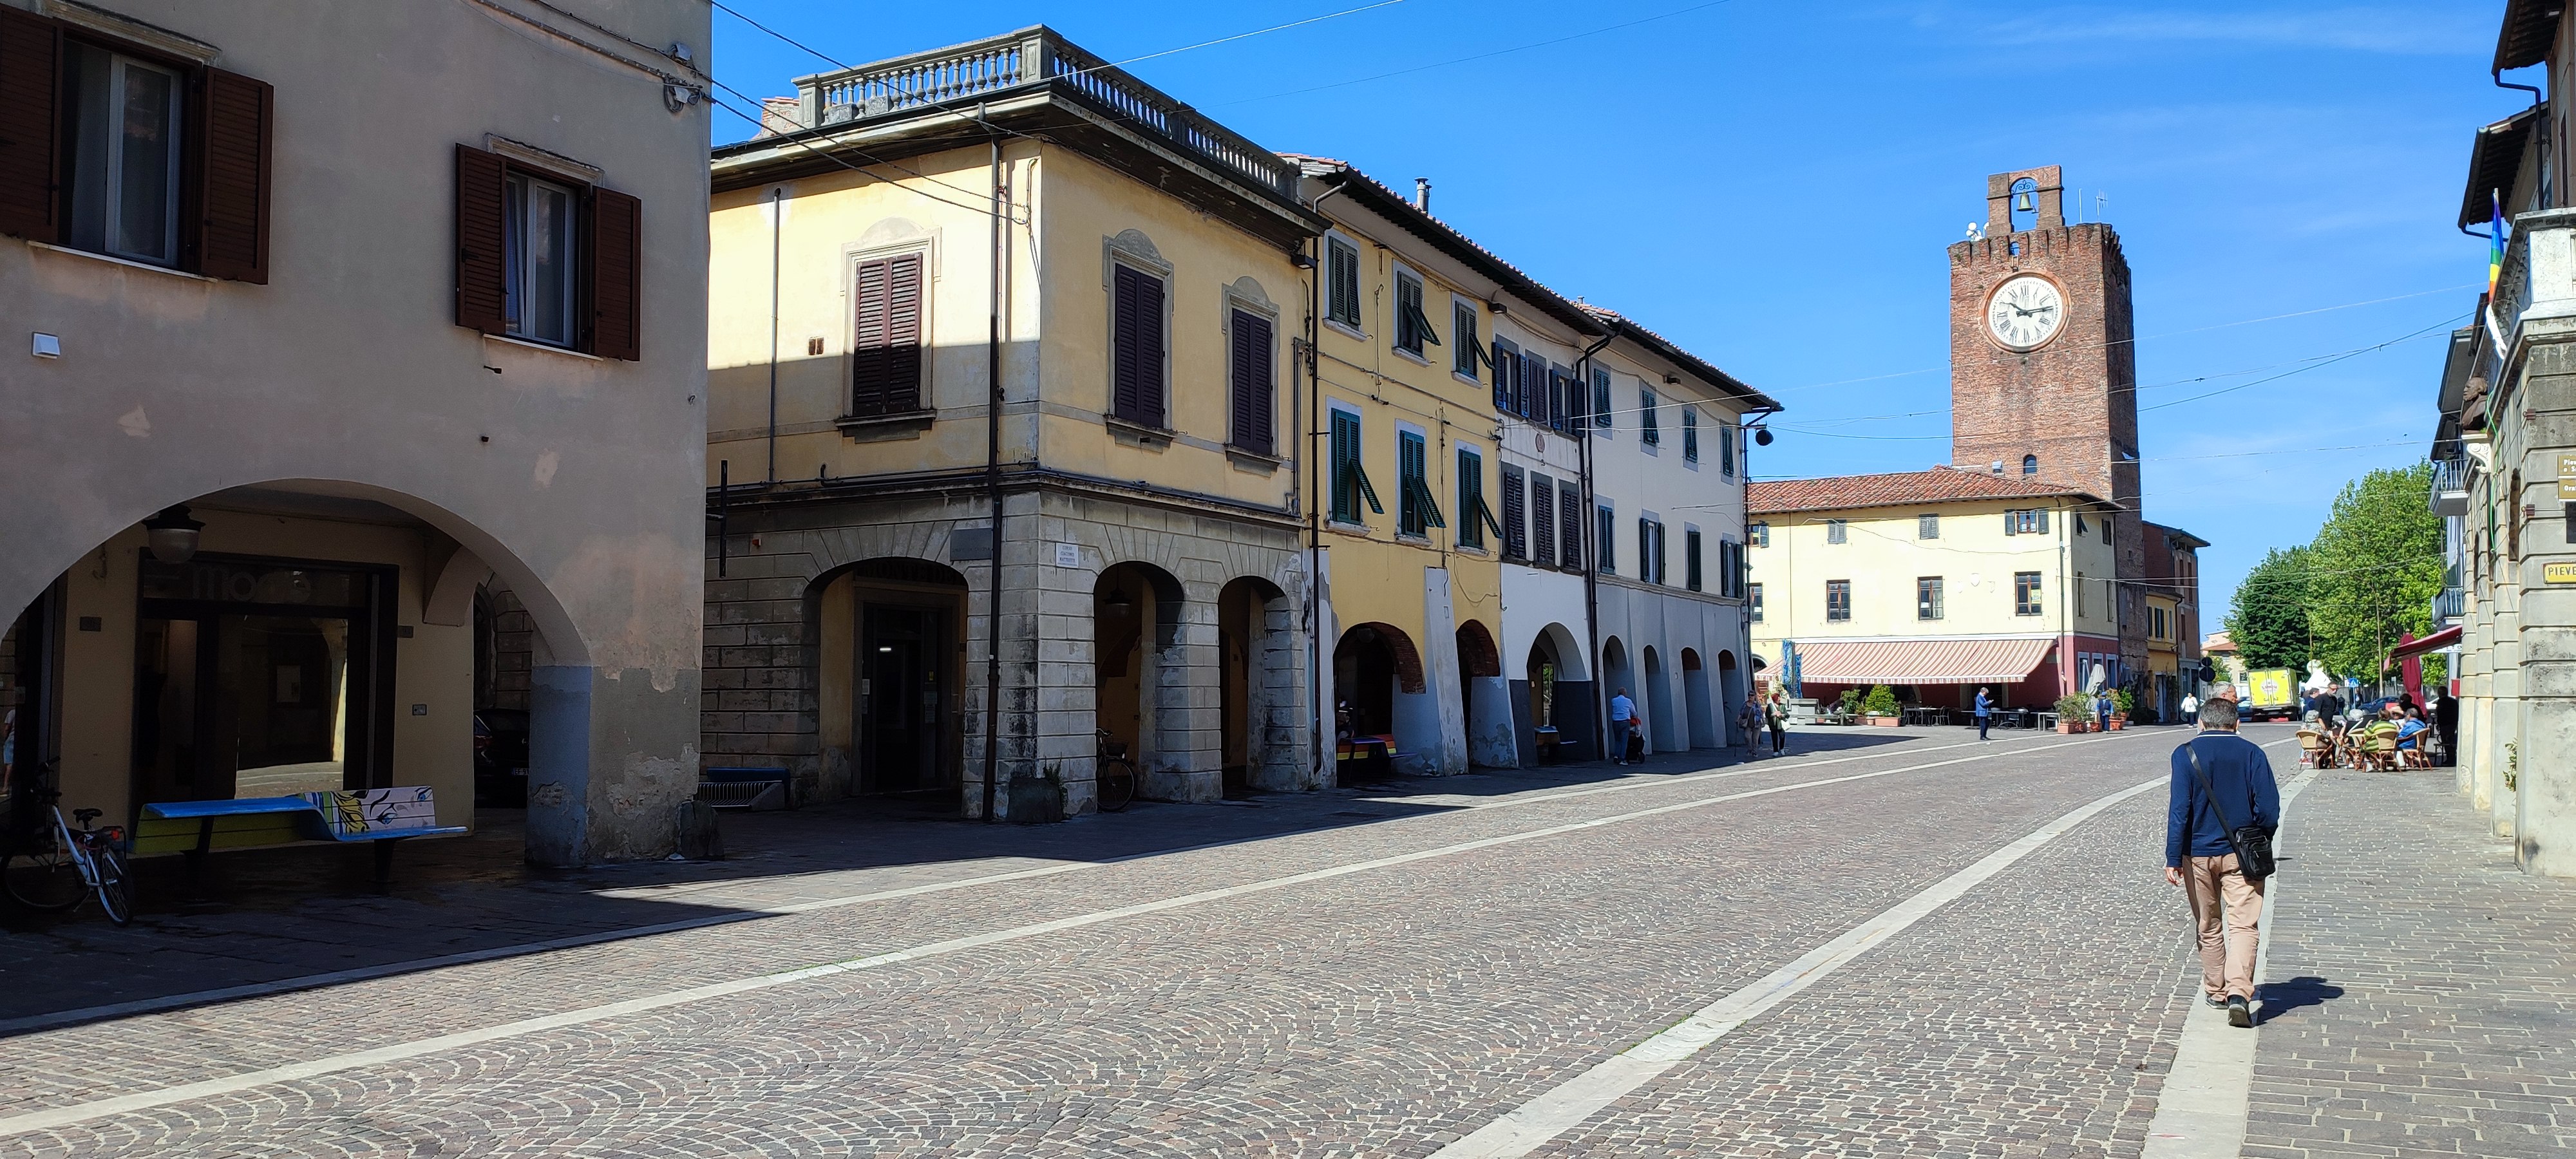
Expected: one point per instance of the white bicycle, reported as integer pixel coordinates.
(57, 867)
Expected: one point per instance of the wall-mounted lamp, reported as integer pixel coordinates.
(1497, 308)
(1118, 603)
(1762, 436)
(1302, 260)
(172, 535)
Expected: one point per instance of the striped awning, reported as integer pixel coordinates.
(1920, 661)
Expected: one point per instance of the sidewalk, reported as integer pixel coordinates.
(266, 916)
(2421, 992)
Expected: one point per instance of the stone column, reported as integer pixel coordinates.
(1184, 675)
(1440, 672)
(595, 792)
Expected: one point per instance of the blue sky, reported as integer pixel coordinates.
(1772, 183)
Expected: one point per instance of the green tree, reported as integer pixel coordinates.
(2270, 621)
(2374, 569)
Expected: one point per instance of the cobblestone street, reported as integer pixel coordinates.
(1892, 942)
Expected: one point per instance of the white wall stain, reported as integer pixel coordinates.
(136, 423)
(546, 464)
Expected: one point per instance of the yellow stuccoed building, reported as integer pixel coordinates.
(1004, 277)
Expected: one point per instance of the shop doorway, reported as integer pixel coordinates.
(260, 678)
(903, 690)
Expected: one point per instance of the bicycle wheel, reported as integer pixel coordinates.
(1117, 785)
(115, 884)
(43, 877)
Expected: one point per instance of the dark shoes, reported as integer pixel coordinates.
(2240, 1013)
(2218, 1001)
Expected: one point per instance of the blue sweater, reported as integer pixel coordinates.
(2241, 776)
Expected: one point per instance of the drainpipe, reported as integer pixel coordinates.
(993, 491)
(1591, 523)
(1315, 509)
(777, 225)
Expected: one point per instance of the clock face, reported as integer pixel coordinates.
(2026, 312)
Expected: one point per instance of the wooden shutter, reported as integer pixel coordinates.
(31, 58)
(482, 270)
(616, 229)
(234, 120)
(1569, 513)
(1137, 348)
(1346, 454)
(1503, 367)
(1542, 520)
(2012, 523)
(1254, 391)
(885, 357)
(1515, 522)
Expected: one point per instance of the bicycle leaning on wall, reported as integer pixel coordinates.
(55, 867)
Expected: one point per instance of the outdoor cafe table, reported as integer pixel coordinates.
(1921, 714)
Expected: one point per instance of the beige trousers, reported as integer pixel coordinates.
(2226, 908)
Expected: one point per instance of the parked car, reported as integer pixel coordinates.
(500, 758)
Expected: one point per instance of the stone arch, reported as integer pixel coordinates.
(1664, 732)
(884, 682)
(1259, 699)
(1487, 699)
(384, 559)
(1731, 694)
(1554, 709)
(1142, 677)
(1701, 712)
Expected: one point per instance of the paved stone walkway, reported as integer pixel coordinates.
(1373, 972)
(2422, 992)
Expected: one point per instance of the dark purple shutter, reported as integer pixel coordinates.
(616, 275)
(1136, 374)
(1253, 388)
(234, 121)
(1569, 513)
(1542, 520)
(1515, 533)
(868, 354)
(482, 272)
(31, 58)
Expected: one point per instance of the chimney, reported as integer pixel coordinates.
(1422, 194)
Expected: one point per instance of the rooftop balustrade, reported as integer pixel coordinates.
(1027, 61)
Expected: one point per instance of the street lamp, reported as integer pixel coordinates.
(172, 535)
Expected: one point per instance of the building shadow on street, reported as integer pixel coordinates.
(253, 921)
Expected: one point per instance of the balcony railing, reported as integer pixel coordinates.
(2449, 605)
(1024, 60)
(2450, 487)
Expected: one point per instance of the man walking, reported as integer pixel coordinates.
(1776, 713)
(1623, 714)
(1985, 714)
(2221, 782)
(1748, 720)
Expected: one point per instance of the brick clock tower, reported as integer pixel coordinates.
(2043, 364)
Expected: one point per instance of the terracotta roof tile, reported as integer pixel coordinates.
(1897, 489)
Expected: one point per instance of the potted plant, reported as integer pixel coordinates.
(1880, 707)
(1851, 705)
(2072, 711)
(2121, 702)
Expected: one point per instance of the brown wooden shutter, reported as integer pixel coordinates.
(482, 272)
(31, 56)
(1254, 388)
(885, 359)
(616, 274)
(233, 121)
(903, 334)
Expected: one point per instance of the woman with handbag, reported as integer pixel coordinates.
(2222, 812)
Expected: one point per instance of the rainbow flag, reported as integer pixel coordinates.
(2495, 264)
(2495, 243)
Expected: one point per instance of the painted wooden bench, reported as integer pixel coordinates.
(378, 816)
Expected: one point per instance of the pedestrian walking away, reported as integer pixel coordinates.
(2223, 809)
(1623, 722)
(1776, 713)
(1985, 714)
(1748, 721)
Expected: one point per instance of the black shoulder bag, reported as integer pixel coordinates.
(2252, 843)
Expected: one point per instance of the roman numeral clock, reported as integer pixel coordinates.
(2025, 313)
